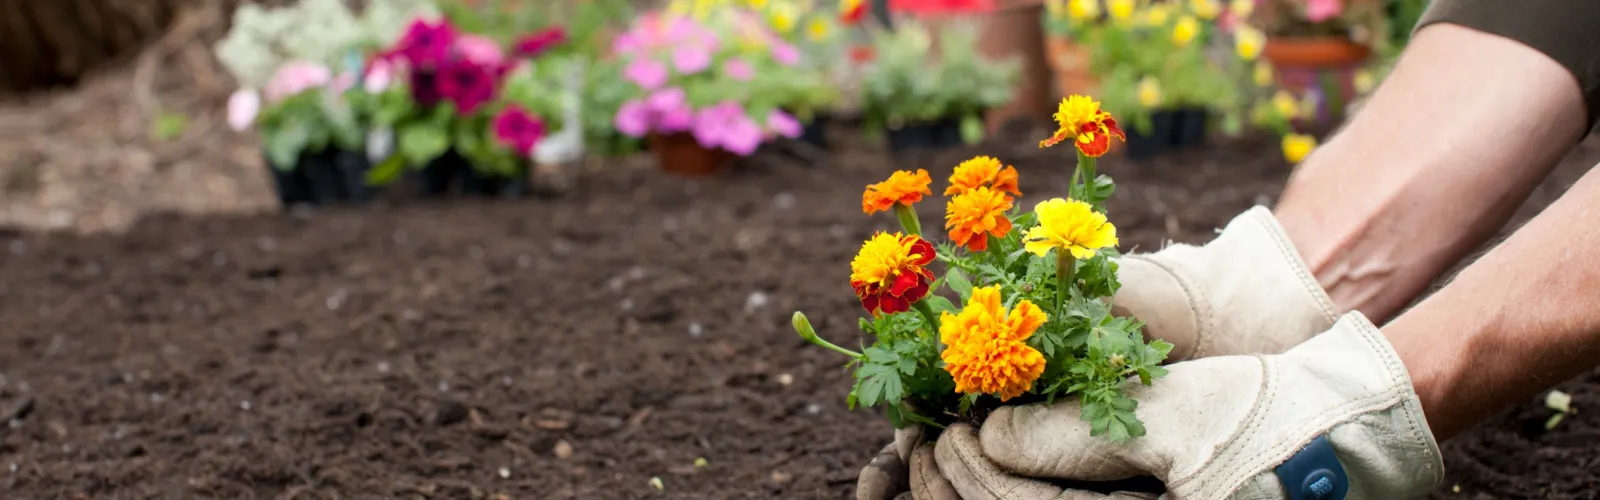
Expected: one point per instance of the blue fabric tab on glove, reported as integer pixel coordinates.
(1314, 473)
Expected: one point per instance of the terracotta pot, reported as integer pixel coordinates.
(1016, 29)
(1070, 63)
(1315, 52)
(680, 154)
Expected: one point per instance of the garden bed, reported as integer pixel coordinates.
(568, 348)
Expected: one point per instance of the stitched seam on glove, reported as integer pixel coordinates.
(1419, 433)
(1302, 271)
(1199, 306)
(1255, 406)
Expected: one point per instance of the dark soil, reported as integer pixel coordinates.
(539, 349)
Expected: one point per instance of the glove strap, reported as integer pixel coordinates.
(1314, 473)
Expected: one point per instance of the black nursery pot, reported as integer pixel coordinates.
(322, 177)
(1158, 141)
(1191, 127)
(925, 135)
(451, 173)
(815, 133)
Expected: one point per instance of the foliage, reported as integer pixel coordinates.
(914, 79)
(309, 121)
(325, 32)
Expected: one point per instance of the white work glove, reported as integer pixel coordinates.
(1217, 428)
(1245, 292)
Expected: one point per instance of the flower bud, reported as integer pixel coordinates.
(802, 326)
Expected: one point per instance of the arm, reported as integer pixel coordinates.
(1517, 321)
(1437, 161)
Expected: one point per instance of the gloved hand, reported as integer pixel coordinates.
(1217, 428)
(1250, 271)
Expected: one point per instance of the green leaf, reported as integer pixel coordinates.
(940, 304)
(387, 171)
(421, 142)
(285, 143)
(958, 282)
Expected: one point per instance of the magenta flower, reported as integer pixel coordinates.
(425, 87)
(783, 124)
(480, 50)
(738, 69)
(538, 43)
(519, 130)
(466, 84)
(1322, 10)
(633, 118)
(427, 45)
(691, 59)
(726, 126)
(785, 54)
(296, 77)
(648, 74)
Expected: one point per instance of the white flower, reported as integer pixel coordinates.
(243, 106)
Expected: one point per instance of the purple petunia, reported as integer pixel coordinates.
(537, 43)
(466, 84)
(427, 45)
(516, 128)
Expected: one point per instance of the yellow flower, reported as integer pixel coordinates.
(756, 4)
(1285, 105)
(1242, 8)
(1206, 9)
(1187, 29)
(901, 187)
(1121, 10)
(1297, 146)
(817, 30)
(1156, 15)
(1054, 7)
(986, 350)
(783, 17)
(982, 171)
(1149, 92)
(1080, 117)
(1262, 74)
(680, 7)
(1364, 81)
(1248, 42)
(1071, 226)
(1081, 10)
(891, 272)
(972, 216)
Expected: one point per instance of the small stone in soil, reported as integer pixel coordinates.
(383, 367)
(563, 449)
(783, 201)
(655, 482)
(781, 477)
(785, 379)
(505, 473)
(813, 408)
(695, 329)
(244, 405)
(756, 300)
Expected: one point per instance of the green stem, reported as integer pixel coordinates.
(926, 311)
(908, 219)
(1066, 267)
(1086, 164)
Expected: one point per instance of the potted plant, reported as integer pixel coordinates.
(1320, 43)
(698, 100)
(926, 96)
(1069, 58)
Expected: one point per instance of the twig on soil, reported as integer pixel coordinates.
(20, 410)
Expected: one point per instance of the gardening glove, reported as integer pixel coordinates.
(1245, 292)
(1334, 415)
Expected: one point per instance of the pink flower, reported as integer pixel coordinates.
(380, 74)
(633, 118)
(783, 124)
(646, 73)
(516, 128)
(669, 109)
(344, 81)
(742, 137)
(627, 44)
(538, 43)
(427, 45)
(667, 99)
(1322, 10)
(785, 54)
(480, 50)
(691, 59)
(296, 77)
(726, 126)
(243, 106)
(675, 120)
(466, 84)
(738, 69)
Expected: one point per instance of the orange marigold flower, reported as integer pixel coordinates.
(982, 171)
(973, 215)
(890, 272)
(986, 349)
(901, 187)
(1081, 118)
(851, 11)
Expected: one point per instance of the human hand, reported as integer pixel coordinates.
(1220, 428)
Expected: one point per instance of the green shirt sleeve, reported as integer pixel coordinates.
(1566, 30)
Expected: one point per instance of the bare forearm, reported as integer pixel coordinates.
(1522, 318)
(1436, 162)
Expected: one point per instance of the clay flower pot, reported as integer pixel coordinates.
(1301, 62)
(1070, 63)
(681, 154)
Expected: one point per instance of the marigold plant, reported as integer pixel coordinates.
(1019, 310)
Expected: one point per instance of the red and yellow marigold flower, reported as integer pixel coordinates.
(986, 349)
(1091, 128)
(901, 187)
(974, 215)
(983, 171)
(890, 272)
(851, 11)
(1069, 226)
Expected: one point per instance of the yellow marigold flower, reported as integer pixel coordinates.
(1071, 226)
(986, 350)
(1262, 74)
(1249, 42)
(1149, 92)
(1080, 117)
(1156, 15)
(982, 171)
(851, 11)
(1206, 9)
(783, 17)
(1082, 10)
(973, 215)
(1121, 10)
(817, 30)
(1364, 81)
(891, 272)
(901, 187)
(756, 4)
(1297, 146)
(1242, 8)
(1285, 105)
(1185, 31)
